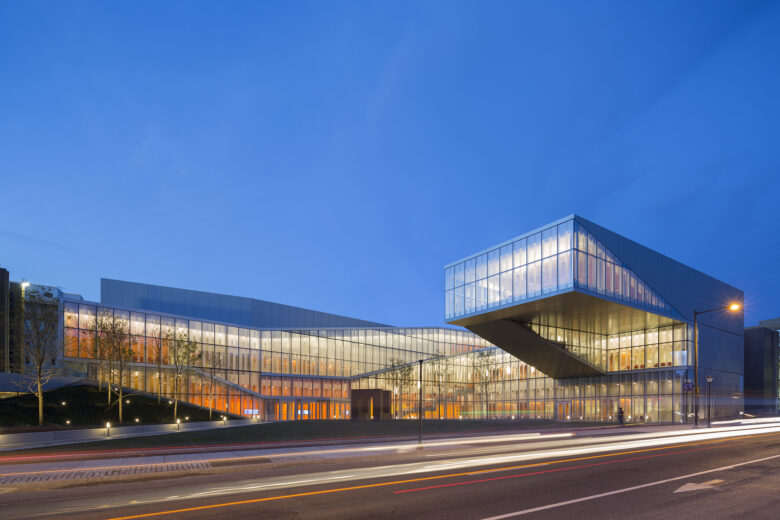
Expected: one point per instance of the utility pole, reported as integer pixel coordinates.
(420, 404)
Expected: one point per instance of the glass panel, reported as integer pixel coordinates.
(506, 287)
(549, 274)
(519, 253)
(506, 258)
(564, 270)
(534, 247)
(493, 262)
(493, 286)
(470, 270)
(458, 300)
(534, 279)
(481, 267)
(482, 294)
(459, 274)
(449, 278)
(565, 235)
(518, 283)
(582, 269)
(449, 299)
(549, 242)
(471, 298)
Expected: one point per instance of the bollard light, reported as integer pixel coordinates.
(108, 429)
(67, 421)
(64, 403)
(136, 419)
(223, 420)
(178, 424)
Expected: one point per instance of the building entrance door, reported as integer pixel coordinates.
(564, 410)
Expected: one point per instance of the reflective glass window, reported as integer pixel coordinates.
(549, 274)
(534, 247)
(449, 299)
(506, 287)
(519, 253)
(482, 294)
(449, 278)
(565, 235)
(458, 300)
(506, 258)
(564, 270)
(534, 279)
(459, 274)
(582, 269)
(481, 266)
(469, 271)
(470, 296)
(549, 242)
(493, 295)
(519, 283)
(493, 262)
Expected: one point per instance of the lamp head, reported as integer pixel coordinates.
(25, 284)
(734, 307)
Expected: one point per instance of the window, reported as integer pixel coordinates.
(481, 267)
(506, 258)
(564, 270)
(493, 262)
(470, 270)
(506, 287)
(549, 242)
(519, 253)
(549, 274)
(518, 283)
(534, 279)
(565, 235)
(534, 248)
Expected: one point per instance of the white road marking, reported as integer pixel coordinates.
(626, 490)
(693, 486)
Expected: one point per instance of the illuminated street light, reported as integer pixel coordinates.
(178, 424)
(25, 284)
(108, 429)
(732, 307)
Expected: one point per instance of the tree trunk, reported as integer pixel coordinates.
(40, 402)
(175, 398)
(209, 408)
(159, 383)
(120, 402)
(109, 383)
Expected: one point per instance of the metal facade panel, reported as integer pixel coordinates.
(685, 288)
(219, 307)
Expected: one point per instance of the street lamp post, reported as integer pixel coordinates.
(709, 401)
(732, 307)
(419, 405)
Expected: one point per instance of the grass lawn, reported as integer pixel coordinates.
(85, 406)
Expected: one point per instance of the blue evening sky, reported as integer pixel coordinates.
(335, 155)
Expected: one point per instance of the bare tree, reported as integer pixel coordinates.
(182, 353)
(40, 345)
(113, 340)
(211, 370)
(101, 350)
(440, 375)
(394, 376)
(405, 380)
(480, 375)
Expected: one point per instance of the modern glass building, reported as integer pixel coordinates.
(569, 321)
(609, 320)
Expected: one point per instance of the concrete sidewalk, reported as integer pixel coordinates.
(20, 441)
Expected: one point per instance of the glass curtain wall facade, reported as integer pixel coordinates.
(491, 384)
(542, 263)
(274, 374)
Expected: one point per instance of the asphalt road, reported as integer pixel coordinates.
(689, 475)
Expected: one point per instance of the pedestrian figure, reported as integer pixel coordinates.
(620, 416)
